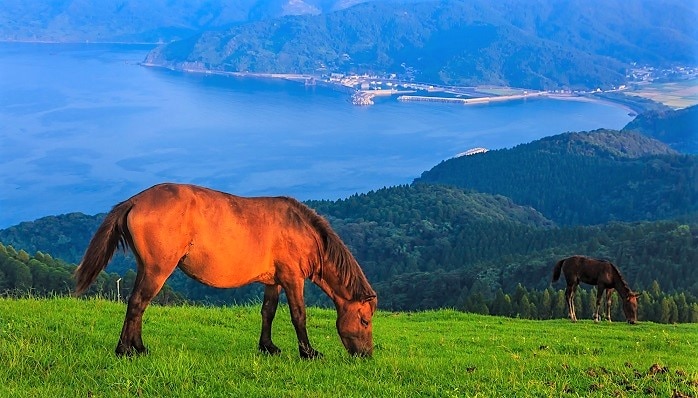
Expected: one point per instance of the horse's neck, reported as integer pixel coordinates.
(329, 282)
(620, 285)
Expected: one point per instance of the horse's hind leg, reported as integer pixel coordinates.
(569, 295)
(269, 305)
(145, 288)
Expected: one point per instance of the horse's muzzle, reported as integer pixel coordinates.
(357, 349)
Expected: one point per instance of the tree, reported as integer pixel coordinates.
(668, 311)
(22, 278)
(560, 305)
(546, 305)
(501, 305)
(525, 309)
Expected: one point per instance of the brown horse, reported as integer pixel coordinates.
(602, 274)
(228, 241)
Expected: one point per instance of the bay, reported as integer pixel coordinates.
(84, 126)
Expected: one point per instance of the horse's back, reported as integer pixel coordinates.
(587, 269)
(219, 239)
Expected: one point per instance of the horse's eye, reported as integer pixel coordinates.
(364, 323)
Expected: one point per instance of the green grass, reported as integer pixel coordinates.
(63, 347)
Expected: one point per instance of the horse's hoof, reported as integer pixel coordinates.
(129, 352)
(310, 354)
(269, 349)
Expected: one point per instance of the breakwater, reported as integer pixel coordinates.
(467, 101)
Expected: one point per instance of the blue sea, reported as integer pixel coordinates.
(84, 126)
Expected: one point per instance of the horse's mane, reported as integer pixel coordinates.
(348, 270)
(616, 271)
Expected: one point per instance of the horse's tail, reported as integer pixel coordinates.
(113, 233)
(557, 270)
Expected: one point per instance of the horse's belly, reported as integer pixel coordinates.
(220, 273)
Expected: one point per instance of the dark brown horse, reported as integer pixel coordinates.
(602, 274)
(228, 241)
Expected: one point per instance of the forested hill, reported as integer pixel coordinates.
(678, 128)
(536, 44)
(407, 214)
(583, 178)
(392, 231)
(432, 245)
(149, 21)
(431, 259)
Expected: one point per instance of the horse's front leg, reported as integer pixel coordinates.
(269, 306)
(599, 295)
(609, 301)
(294, 294)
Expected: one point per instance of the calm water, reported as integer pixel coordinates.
(84, 126)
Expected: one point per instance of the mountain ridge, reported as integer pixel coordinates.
(137, 21)
(582, 178)
(572, 45)
(678, 128)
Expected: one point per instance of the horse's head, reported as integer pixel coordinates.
(630, 307)
(355, 326)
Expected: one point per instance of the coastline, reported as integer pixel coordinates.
(478, 95)
(588, 98)
(360, 96)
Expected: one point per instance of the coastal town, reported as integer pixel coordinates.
(365, 89)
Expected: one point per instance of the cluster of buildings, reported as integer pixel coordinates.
(650, 74)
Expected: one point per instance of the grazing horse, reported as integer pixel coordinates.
(228, 241)
(602, 274)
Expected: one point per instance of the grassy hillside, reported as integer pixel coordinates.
(64, 347)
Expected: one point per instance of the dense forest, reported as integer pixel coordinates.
(583, 178)
(41, 275)
(541, 45)
(675, 127)
(454, 251)
(486, 248)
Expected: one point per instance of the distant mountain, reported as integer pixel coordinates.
(535, 44)
(583, 178)
(679, 129)
(141, 21)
